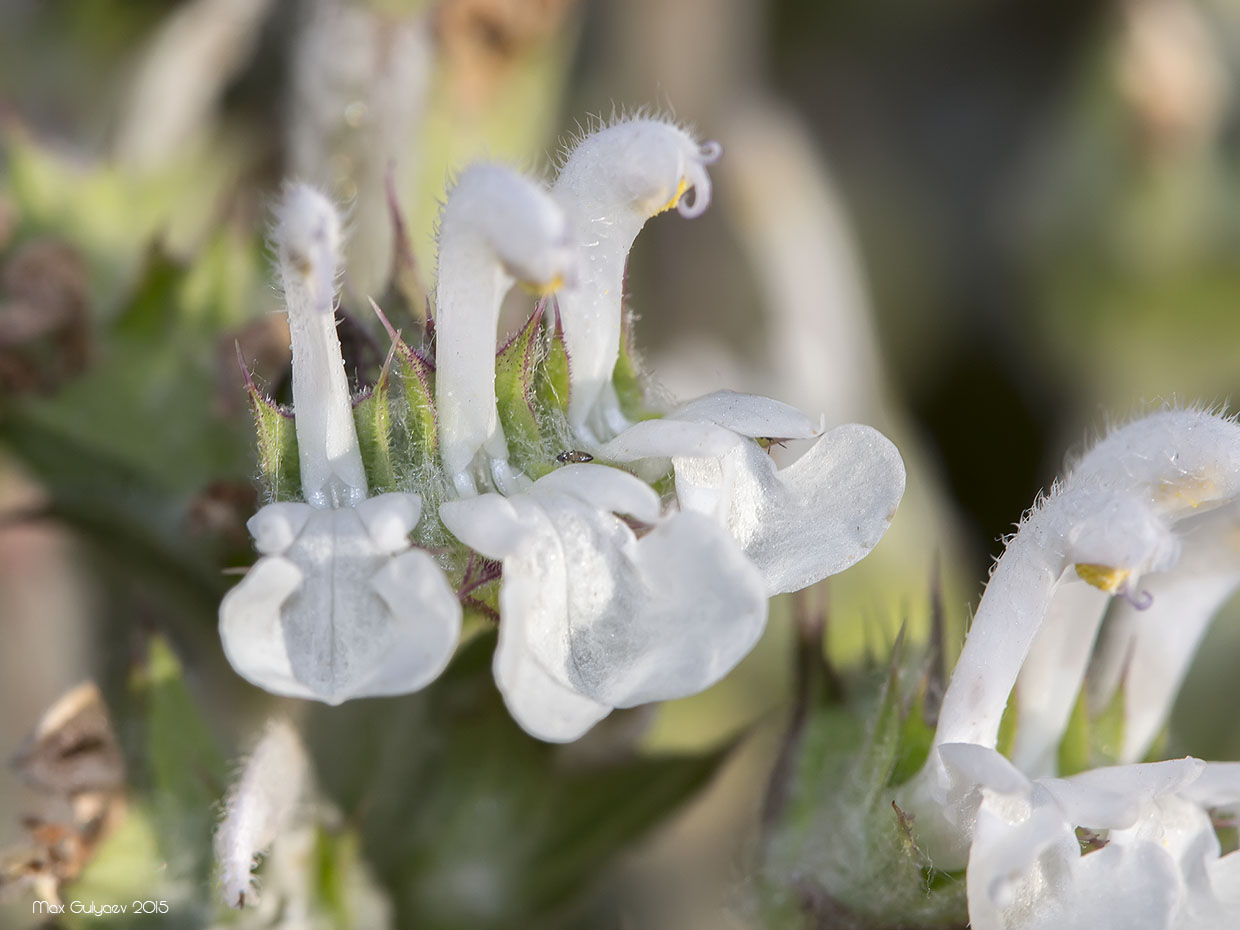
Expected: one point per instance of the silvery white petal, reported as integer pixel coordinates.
(1218, 786)
(1112, 798)
(605, 488)
(425, 624)
(1050, 679)
(497, 226)
(1181, 460)
(612, 181)
(812, 519)
(534, 651)
(389, 519)
(685, 607)
(307, 240)
(488, 524)
(275, 526)
(668, 437)
(251, 630)
(750, 415)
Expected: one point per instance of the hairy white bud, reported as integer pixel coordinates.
(261, 805)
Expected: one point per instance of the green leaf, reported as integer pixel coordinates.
(187, 773)
(134, 523)
(276, 436)
(916, 738)
(162, 849)
(1092, 741)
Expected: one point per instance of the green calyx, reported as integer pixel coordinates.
(397, 423)
(838, 852)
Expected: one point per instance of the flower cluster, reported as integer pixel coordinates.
(1143, 532)
(627, 554)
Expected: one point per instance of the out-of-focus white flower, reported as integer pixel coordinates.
(273, 813)
(497, 227)
(339, 606)
(595, 617)
(358, 83)
(1151, 857)
(262, 805)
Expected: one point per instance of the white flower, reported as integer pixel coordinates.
(1133, 511)
(594, 614)
(1152, 857)
(307, 241)
(496, 227)
(594, 617)
(339, 606)
(273, 814)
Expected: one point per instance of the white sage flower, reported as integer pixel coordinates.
(339, 606)
(594, 617)
(1151, 856)
(594, 613)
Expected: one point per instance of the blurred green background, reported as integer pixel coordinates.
(988, 229)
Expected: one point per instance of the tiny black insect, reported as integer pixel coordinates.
(575, 457)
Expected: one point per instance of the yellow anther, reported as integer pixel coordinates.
(1192, 491)
(680, 192)
(545, 288)
(1102, 577)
